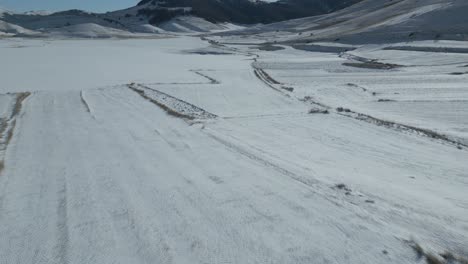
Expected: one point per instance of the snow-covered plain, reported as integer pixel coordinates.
(97, 172)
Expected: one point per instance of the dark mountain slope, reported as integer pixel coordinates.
(374, 21)
(240, 11)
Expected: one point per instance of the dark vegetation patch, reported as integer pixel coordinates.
(3, 126)
(343, 187)
(311, 100)
(318, 111)
(428, 49)
(341, 109)
(172, 105)
(320, 48)
(203, 52)
(287, 88)
(372, 65)
(269, 47)
(458, 73)
(20, 97)
(385, 100)
(446, 257)
(7, 125)
(400, 127)
(164, 107)
(19, 103)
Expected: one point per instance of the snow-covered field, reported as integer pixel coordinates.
(175, 150)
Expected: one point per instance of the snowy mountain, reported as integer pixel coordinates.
(8, 28)
(240, 11)
(377, 21)
(186, 16)
(356, 21)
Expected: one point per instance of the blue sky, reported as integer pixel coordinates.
(57, 5)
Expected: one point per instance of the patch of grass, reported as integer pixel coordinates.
(458, 73)
(318, 111)
(168, 110)
(402, 127)
(3, 126)
(342, 186)
(372, 65)
(270, 47)
(445, 258)
(20, 97)
(9, 135)
(341, 109)
(2, 166)
(289, 89)
(6, 131)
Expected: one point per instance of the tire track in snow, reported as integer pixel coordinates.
(86, 104)
(270, 82)
(211, 80)
(62, 223)
(312, 184)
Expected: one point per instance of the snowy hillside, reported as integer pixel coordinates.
(376, 21)
(14, 29)
(175, 16)
(240, 11)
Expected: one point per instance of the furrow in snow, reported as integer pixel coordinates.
(212, 80)
(270, 82)
(322, 108)
(198, 72)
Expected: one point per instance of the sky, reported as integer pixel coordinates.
(58, 5)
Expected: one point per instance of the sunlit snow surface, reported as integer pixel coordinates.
(98, 173)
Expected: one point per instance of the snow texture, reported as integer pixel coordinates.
(97, 173)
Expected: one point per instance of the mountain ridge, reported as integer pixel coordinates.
(241, 11)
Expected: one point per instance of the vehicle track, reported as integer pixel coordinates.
(211, 80)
